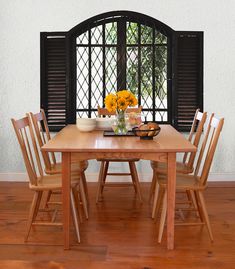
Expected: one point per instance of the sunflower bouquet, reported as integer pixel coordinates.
(120, 100)
(118, 103)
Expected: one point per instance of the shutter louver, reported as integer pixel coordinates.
(189, 74)
(53, 79)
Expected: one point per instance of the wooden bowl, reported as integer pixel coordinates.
(147, 131)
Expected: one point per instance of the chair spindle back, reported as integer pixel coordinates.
(40, 124)
(195, 136)
(208, 148)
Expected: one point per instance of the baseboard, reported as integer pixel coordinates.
(92, 177)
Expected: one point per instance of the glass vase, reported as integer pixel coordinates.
(120, 126)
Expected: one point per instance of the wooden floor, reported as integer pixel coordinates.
(118, 235)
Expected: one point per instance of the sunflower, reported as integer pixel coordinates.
(132, 100)
(111, 102)
(121, 103)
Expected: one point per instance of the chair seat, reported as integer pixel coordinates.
(75, 166)
(53, 182)
(161, 168)
(77, 171)
(183, 182)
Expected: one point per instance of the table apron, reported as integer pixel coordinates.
(161, 157)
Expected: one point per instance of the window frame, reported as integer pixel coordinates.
(106, 18)
(70, 87)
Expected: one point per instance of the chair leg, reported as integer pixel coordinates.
(153, 185)
(106, 167)
(77, 203)
(98, 194)
(194, 201)
(135, 179)
(74, 213)
(47, 199)
(155, 199)
(37, 205)
(83, 178)
(189, 196)
(206, 217)
(163, 217)
(32, 213)
(83, 198)
(159, 202)
(199, 207)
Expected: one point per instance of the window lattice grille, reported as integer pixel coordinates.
(136, 58)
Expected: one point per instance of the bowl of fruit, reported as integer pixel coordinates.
(147, 131)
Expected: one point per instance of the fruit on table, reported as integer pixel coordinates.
(152, 132)
(144, 130)
(153, 125)
(149, 129)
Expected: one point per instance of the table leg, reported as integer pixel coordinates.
(66, 174)
(171, 171)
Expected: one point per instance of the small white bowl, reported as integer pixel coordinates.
(86, 124)
(86, 121)
(104, 123)
(86, 128)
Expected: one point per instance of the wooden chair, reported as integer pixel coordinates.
(195, 183)
(51, 165)
(186, 165)
(102, 112)
(38, 182)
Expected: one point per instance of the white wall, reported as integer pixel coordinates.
(22, 21)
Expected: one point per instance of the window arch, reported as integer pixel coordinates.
(122, 50)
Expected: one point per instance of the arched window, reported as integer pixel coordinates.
(122, 50)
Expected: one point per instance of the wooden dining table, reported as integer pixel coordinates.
(94, 145)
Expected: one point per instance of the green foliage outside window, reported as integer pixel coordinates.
(151, 42)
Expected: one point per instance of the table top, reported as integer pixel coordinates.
(70, 139)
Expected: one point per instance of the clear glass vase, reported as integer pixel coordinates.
(119, 125)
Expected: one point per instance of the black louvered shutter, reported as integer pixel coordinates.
(188, 78)
(53, 78)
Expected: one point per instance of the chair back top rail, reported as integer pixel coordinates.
(24, 133)
(104, 111)
(194, 124)
(208, 148)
